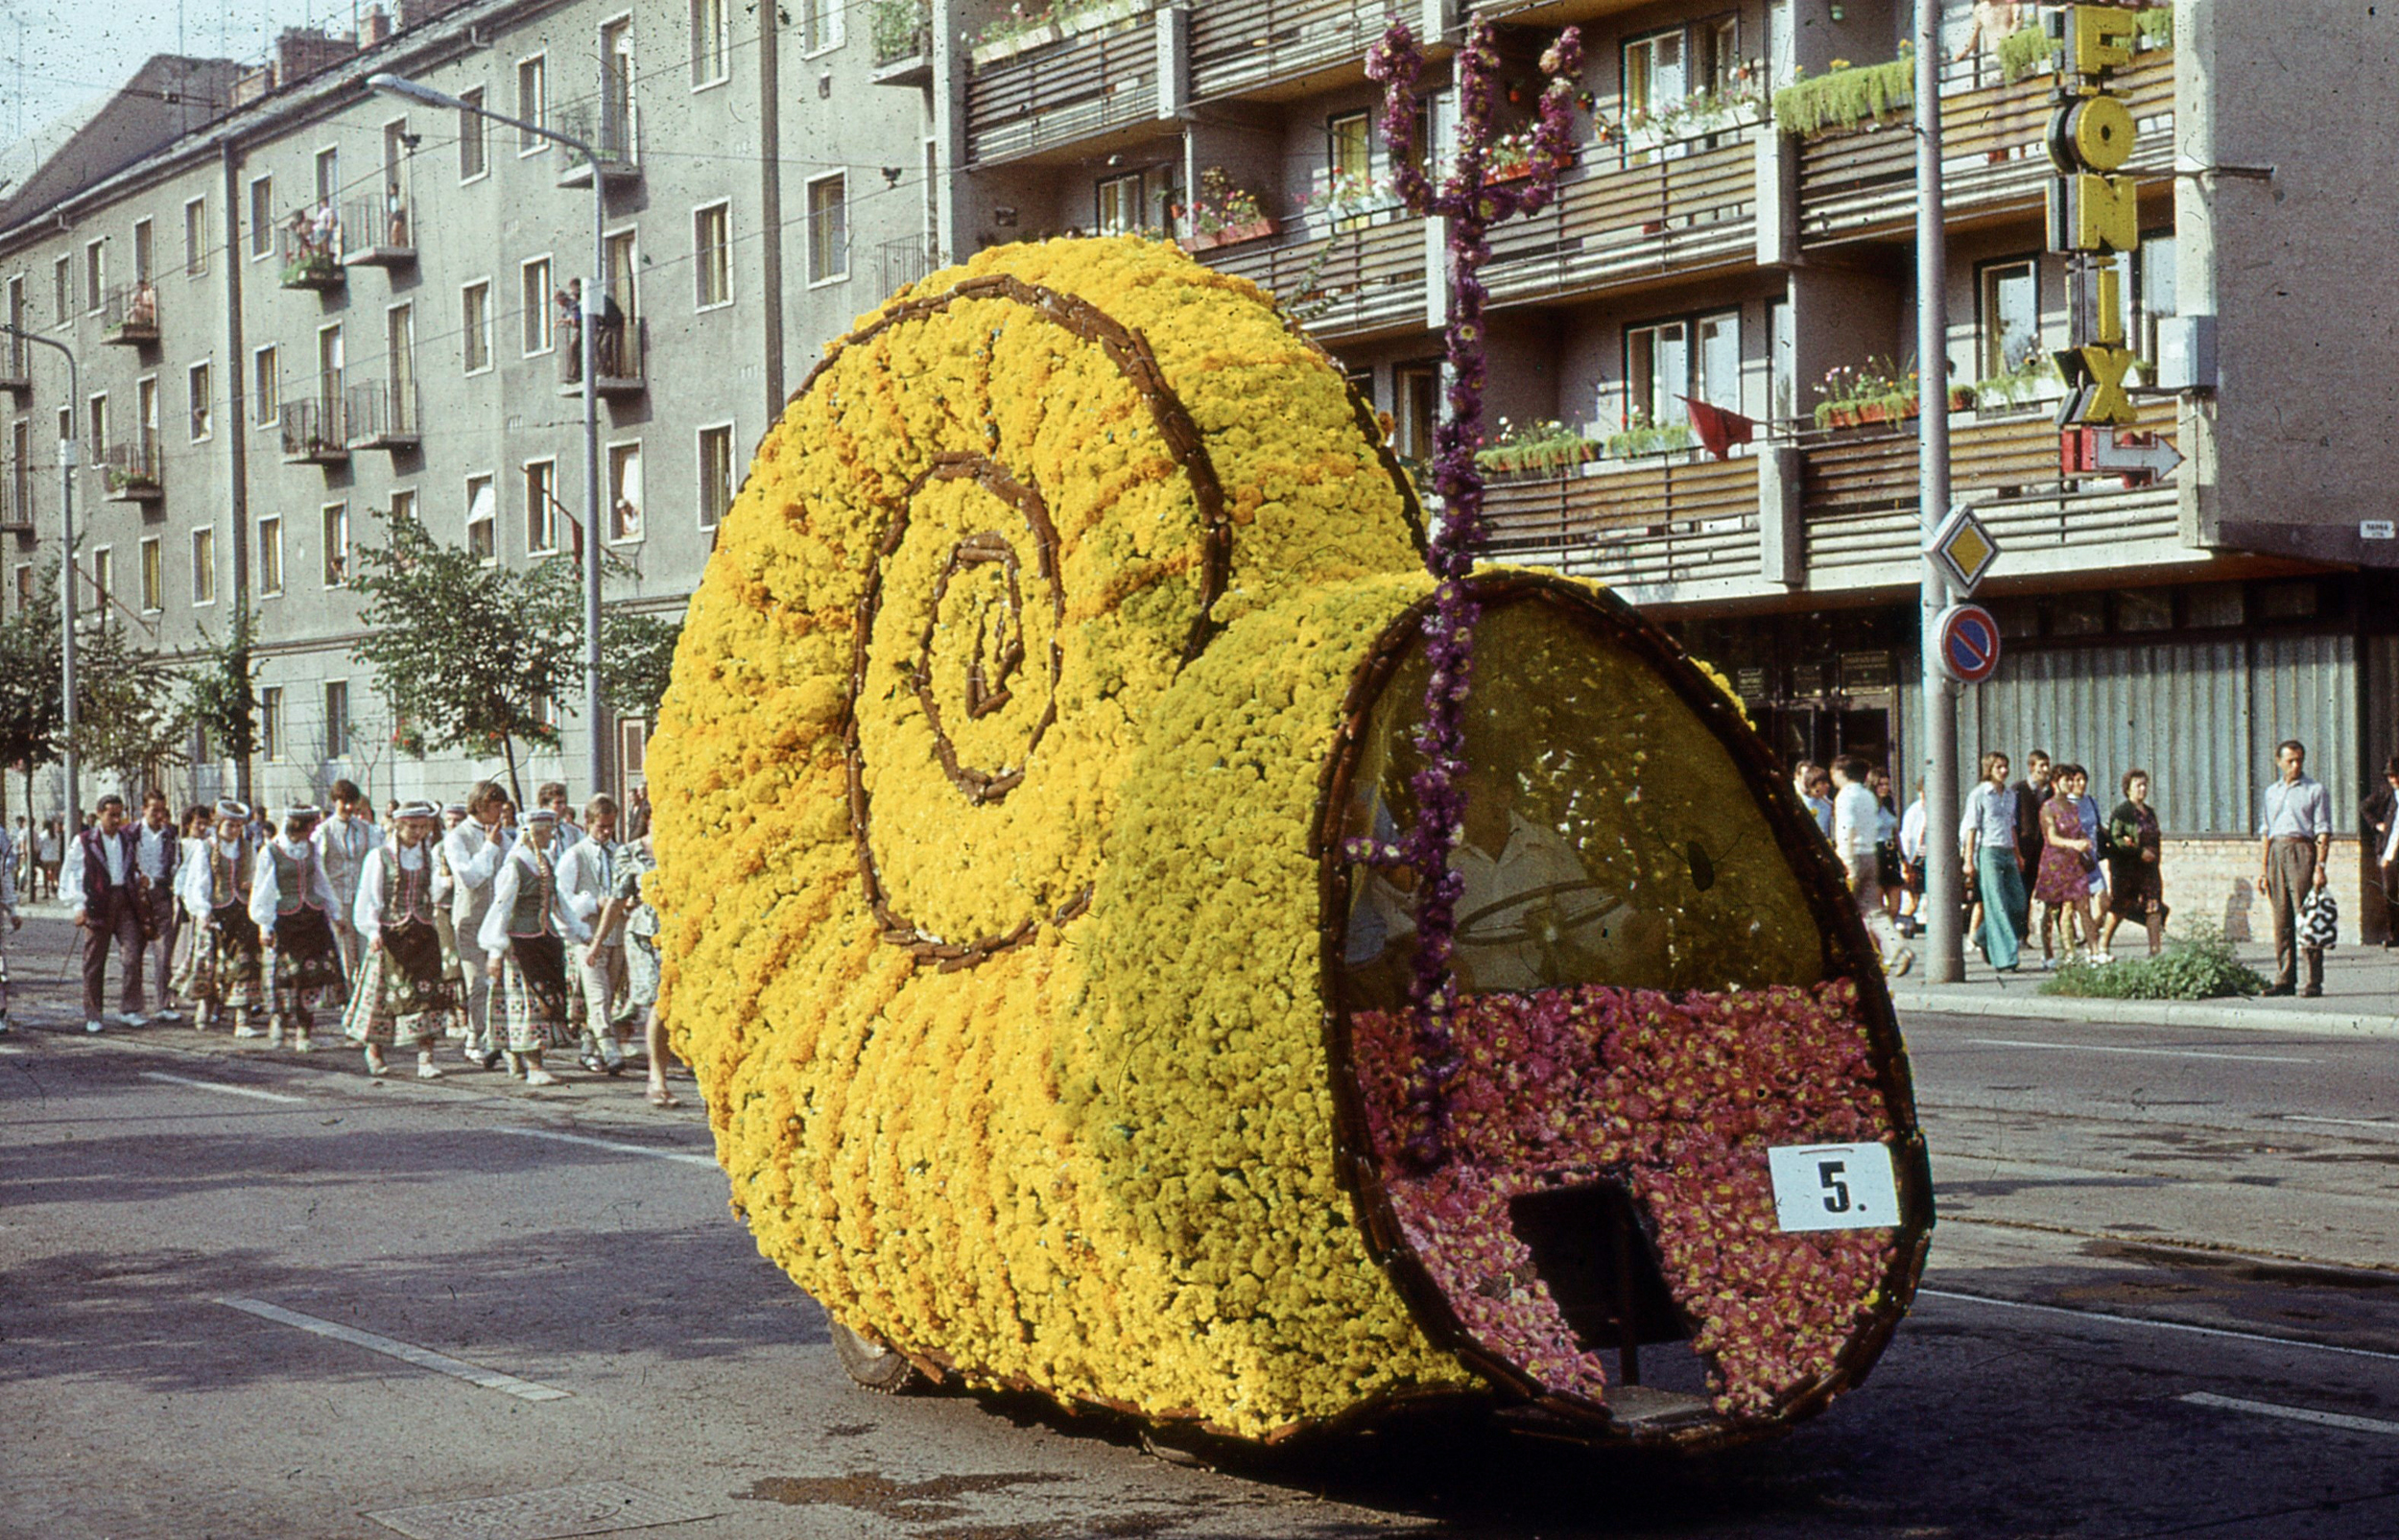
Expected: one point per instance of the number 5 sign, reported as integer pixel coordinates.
(1833, 1187)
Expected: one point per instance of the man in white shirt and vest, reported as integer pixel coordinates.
(343, 842)
(1857, 834)
(473, 851)
(158, 851)
(2292, 862)
(98, 883)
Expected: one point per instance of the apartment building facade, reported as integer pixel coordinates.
(1701, 248)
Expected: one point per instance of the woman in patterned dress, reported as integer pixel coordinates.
(524, 938)
(2067, 860)
(2136, 885)
(293, 903)
(405, 995)
(214, 883)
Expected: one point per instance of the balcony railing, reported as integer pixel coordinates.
(1648, 523)
(904, 261)
(377, 232)
(16, 502)
(1682, 210)
(129, 473)
(313, 433)
(1084, 83)
(623, 352)
(610, 126)
(1238, 45)
(130, 315)
(382, 415)
(1352, 282)
(903, 42)
(310, 253)
(16, 378)
(1860, 182)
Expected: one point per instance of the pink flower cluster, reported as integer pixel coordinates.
(1679, 1096)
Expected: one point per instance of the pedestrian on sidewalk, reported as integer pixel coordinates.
(1857, 838)
(2382, 822)
(102, 896)
(293, 904)
(2293, 861)
(49, 854)
(473, 851)
(159, 853)
(1886, 864)
(223, 969)
(1911, 867)
(2136, 884)
(1994, 862)
(343, 842)
(524, 938)
(405, 994)
(1813, 785)
(586, 875)
(9, 918)
(2062, 884)
(627, 905)
(2033, 793)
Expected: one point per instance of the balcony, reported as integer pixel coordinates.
(1858, 183)
(1025, 96)
(312, 431)
(624, 360)
(1682, 208)
(16, 502)
(382, 415)
(1349, 283)
(1289, 46)
(128, 317)
(377, 232)
(904, 261)
(309, 253)
(903, 42)
(610, 127)
(130, 473)
(1657, 523)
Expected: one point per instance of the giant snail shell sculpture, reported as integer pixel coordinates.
(1061, 645)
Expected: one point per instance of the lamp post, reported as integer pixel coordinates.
(71, 761)
(595, 310)
(1941, 868)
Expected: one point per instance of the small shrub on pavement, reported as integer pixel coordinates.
(2199, 964)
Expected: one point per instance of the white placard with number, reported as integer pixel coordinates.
(1833, 1187)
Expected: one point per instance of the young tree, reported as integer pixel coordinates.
(131, 719)
(32, 706)
(221, 696)
(636, 660)
(466, 655)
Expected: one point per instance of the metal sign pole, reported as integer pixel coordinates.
(1942, 872)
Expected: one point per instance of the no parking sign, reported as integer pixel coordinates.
(1968, 640)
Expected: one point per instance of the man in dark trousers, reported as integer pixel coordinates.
(2032, 794)
(158, 850)
(100, 886)
(2382, 810)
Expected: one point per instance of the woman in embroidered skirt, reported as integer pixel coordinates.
(293, 902)
(444, 924)
(405, 995)
(222, 971)
(524, 938)
(2066, 861)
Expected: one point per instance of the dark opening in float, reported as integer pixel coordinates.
(1683, 1113)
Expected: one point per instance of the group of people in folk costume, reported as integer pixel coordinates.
(513, 938)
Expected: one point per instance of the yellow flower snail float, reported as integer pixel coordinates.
(1060, 651)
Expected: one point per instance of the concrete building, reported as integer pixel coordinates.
(1700, 249)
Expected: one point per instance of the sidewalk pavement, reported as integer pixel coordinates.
(2361, 996)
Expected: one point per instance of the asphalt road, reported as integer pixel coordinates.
(260, 1296)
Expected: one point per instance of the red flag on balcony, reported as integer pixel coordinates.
(1719, 430)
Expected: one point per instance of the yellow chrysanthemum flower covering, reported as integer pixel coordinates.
(1000, 1053)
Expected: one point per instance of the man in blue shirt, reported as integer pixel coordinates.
(2291, 862)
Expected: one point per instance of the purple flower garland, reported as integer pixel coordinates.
(1472, 204)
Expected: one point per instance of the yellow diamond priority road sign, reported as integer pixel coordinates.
(1963, 550)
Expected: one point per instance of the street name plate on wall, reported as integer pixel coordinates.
(2378, 529)
(1833, 1187)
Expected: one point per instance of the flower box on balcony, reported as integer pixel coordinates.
(1066, 19)
(1256, 229)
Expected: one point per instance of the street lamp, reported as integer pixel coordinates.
(595, 309)
(71, 760)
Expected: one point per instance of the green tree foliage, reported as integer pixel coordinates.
(221, 694)
(636, 660)
(32, 706)
(131, 721)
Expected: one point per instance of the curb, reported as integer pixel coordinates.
(2255, 1018)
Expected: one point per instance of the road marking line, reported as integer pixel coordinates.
(425, 1357)
(219, 1086)
(2161, 1053)
(2387, 1124)
(2163, 1326)
(2269, 1408)
(652, 1151)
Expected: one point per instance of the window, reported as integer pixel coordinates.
(475, 325)
(329, 175)
(335, 562)
(261, 216)
(622, 263)
(399, 368)
(1716, 375)
(145, 411)
(542, 508)
(1785, 340)
(2145, 609)
(481, 502)
(62, 289)
(336, 718)
(824, 24)
(154, 576)
(270, 557)
(196, 237)
(708, 42)
(1121, 205)
(20, 318)
(828, 229)
(625, 492)
(103, 579)
(329, 370)
(633, 744)
(264, 386)
(712, 255)
(95, 273)
(472, 164)
(1718, 44)
(1657, 370)
(403, 508)
(98, 422)
(533, 291)
(24, 584)
(1657, 74)
(1415, 409)
(145, 249)
(2011, 317)
(2153, 294)
(197, 386)
(532, 103)
(1348, 158)
(204, 565)
(716, 474)
(270, 724)
(21, 468)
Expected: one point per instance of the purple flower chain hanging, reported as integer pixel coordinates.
(1472, 202)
